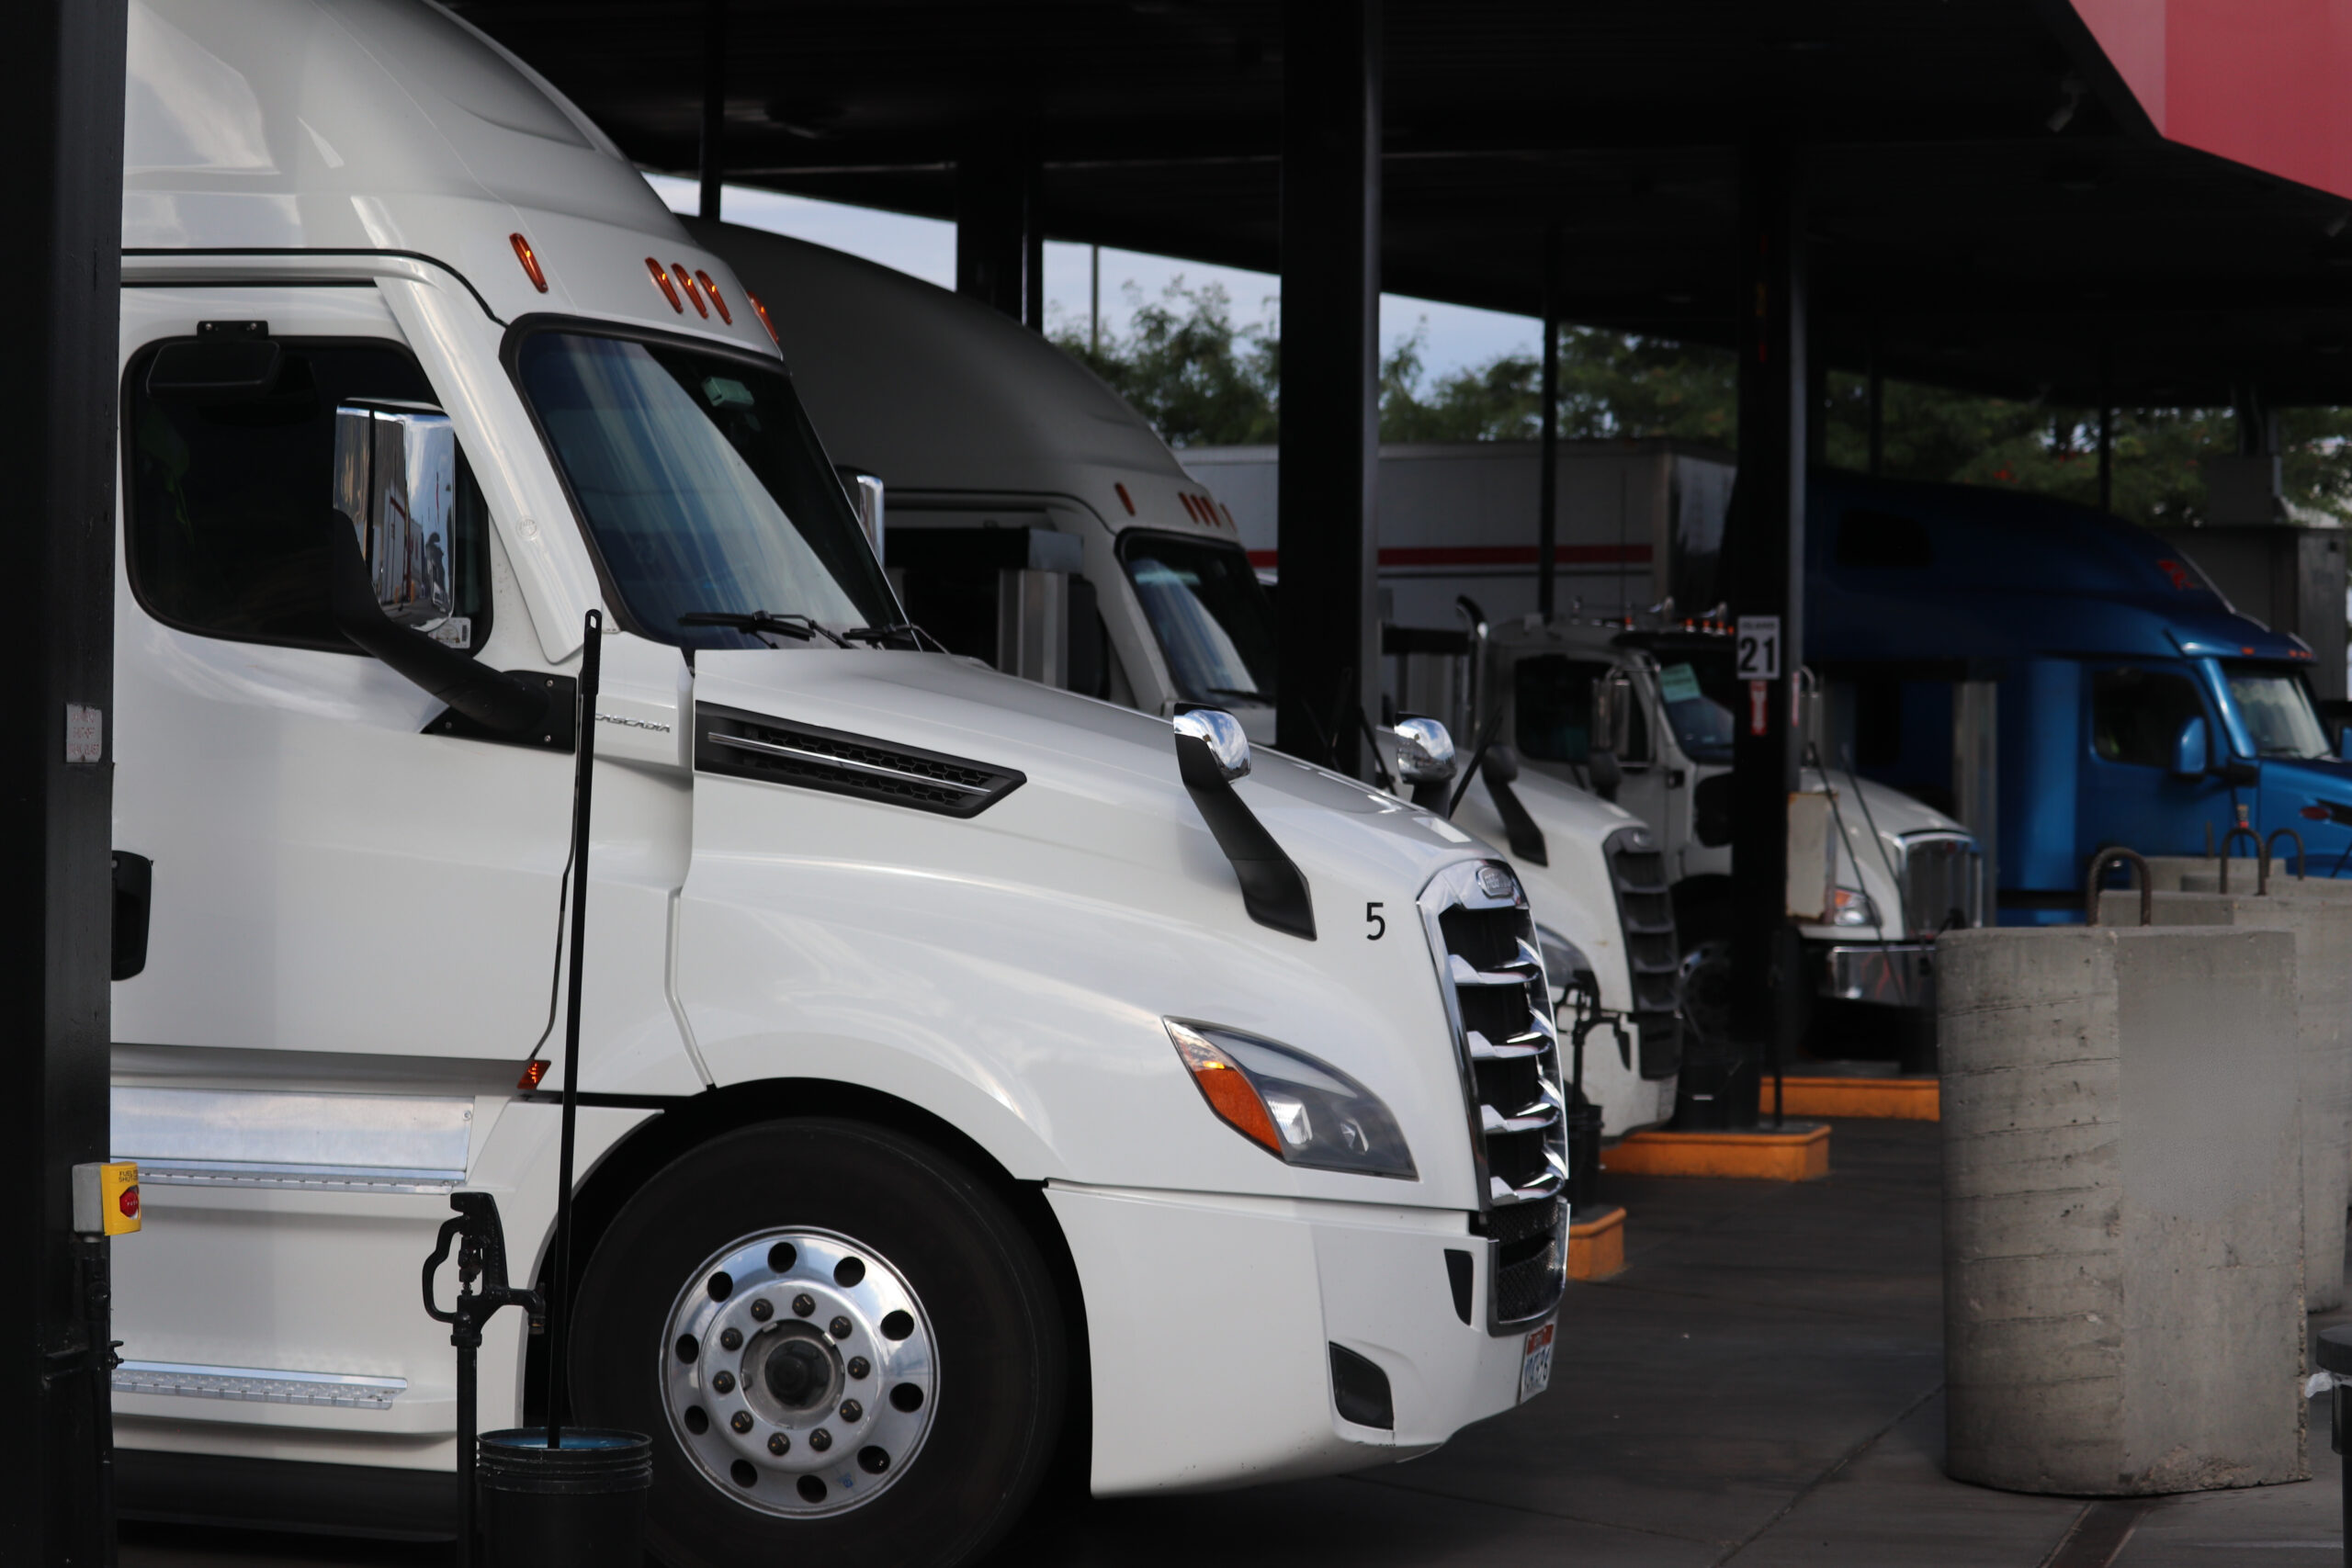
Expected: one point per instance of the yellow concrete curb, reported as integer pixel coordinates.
(1799, 1153)
(1892, 1099)
(1597, 1246)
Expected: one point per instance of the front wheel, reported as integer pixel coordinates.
(844, 1346)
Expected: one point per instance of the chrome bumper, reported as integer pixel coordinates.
(1890, 974)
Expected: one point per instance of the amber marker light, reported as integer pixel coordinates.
(761, 311)
(717, 300)
(693, 294)
(530, 260)
(533, 1071)
(1226, 1087)
(661, 281)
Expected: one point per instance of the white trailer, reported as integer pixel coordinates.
(930, 1033)
(1001, 455)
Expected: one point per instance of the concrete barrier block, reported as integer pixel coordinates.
(2123, 1304)
(2321, 924)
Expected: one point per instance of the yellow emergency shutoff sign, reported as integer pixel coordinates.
(106, 1198)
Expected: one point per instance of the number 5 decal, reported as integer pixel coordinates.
(1377, 921)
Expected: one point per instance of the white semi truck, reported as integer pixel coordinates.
(1640, 522)
(1035, 520)
(966, 1065)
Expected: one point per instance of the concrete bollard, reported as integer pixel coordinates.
(2322, 927)
(2122, 1284)
(2170, 874)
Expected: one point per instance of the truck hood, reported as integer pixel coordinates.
(1085, 757)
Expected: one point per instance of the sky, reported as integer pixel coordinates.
(1456, 335)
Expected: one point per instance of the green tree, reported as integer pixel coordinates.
(1201, 379)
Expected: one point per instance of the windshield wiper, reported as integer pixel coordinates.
(897, 634)
(759, 623)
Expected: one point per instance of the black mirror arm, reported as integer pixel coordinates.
(1526, 838)
(492, 698)
(1273, 887)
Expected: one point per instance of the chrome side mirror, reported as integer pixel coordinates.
(396, 479)
(865, 499)
(1613, 712)
(1221, 734)
(1424, 750)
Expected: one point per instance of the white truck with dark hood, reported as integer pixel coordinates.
(1033, 519)
(966, 1066)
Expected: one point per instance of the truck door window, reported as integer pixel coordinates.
(1213, 622)
(2277, 712)
(702, 486)
(227, 497)
(2135, 714)
(1697, 694)
(1552, 701)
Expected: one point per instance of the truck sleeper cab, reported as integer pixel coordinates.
(2130, 704)
(936, 1075)
(1901, 872)
(1036, 522)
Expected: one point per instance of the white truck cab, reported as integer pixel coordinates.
(944, 1063)
(1898, 872)
(1034, 520)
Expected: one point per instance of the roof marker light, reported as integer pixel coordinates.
(761, 311)
(692, 293)
(529, 259)
(1125, 498)
(717, 300)
(661, 281)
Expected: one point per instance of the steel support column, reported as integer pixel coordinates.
(63, 114)
(1000, 246)
(1767, 598)
(1547, 485)
(714, 106)
(1331, 407)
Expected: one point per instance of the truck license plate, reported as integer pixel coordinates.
(1535, 1363)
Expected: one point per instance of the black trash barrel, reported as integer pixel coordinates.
(582, 1505)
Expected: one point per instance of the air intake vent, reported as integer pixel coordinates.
(1500, 1008)
(754, 746)
(1653, 951)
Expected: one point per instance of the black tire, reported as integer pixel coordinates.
(996, 1320)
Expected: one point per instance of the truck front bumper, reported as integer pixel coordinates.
(1211, 1321)
(1899, 975)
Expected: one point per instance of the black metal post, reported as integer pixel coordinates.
(1768, 604)
(1877, 411)
(714, 106)
(560, 1270)
(2106, 430)
(1032, 246)
(61, 108)
(991, 228)
(1330, 414)
(1547, 516)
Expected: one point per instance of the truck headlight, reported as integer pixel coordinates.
(1566, 966)
(1301, 1111)
(1852, 907)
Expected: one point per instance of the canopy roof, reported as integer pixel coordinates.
(1994, 203)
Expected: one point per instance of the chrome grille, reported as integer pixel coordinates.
(1653, 950)
(1499, 1005)
(1943, 886)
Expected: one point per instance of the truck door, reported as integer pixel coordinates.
(2129, 792)
(328, 876)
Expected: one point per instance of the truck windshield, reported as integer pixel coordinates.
(702, 488)
(1214, 625)
(1697, 694)
(2277, 712)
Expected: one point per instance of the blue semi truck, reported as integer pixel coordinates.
(2129, 704)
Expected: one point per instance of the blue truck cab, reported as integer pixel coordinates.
(2133, 706)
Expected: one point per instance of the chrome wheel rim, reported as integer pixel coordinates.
(798, 1372)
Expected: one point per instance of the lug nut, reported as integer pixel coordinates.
(731, 1339)
(851, 1411)
(779, 1445)
(804, 1304)
(859, 1366)
(724, 1382)
(762, 1309)
(841, 1327)
(821, 1439)
(740, 1420)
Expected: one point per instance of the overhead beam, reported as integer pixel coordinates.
(1331, 392)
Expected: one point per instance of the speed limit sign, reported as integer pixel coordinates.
(1760, 647)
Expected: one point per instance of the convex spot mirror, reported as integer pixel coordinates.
(1613, 714)
(396, 479)
(1229, 747)
(2189, 758)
